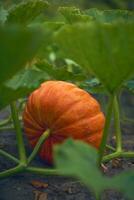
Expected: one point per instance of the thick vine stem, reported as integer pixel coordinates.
(9, 156)
(42, 171)
(11, 172)
(117, 125)
(106, 129)
(111, 156)
(118, 154)
(19, 136)
(41, 140)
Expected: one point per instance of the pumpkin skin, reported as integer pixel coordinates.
(67, 111)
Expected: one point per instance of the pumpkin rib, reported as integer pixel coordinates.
(49, 93)
(75, 121)
(32, 123)
(31, 115)
(33, 133)
(93, 138)
(62, 130)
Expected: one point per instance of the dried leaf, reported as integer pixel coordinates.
(40, 195)
(39, 184)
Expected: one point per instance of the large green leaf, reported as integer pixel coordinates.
(103, 48)
(124, 182)
(23, 83)
(80, 160)
(17, 46)
(75, 158)
(26, 12)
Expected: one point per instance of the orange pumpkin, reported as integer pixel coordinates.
(67, 111)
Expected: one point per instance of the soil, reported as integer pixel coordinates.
(19, 187)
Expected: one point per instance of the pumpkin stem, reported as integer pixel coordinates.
(41, 140)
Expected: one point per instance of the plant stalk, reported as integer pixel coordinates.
(19, 136)
(117, 125)
(106, 129)
(9, 156)
(41, 140)
(11, 171)
(119, 154)
(42, 171)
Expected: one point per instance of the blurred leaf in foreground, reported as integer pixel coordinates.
(82, 161)
(75, 158)
(17, 47)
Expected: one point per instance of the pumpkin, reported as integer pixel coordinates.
(67, 111)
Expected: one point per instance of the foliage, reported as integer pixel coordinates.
(101, 43)
(20, 85)
(32, 9)
(86, 42)
(110, 15)
(82, 160)
(18, 46)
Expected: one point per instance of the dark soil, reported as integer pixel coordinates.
(19, 187)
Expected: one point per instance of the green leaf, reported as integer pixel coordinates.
(110, 15)
(124, 182)
(104, 49)
(93, 86)
(80, 160)
(73, 15)
(25, 12)
(59, 73)
(17, 47)
(23, 83)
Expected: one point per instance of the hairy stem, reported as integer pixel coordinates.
(41, 140)
(117, 124)
(119, 154)
(19, 136)
(11, 171)
(106, 129)
(9, 156)
(42, 171)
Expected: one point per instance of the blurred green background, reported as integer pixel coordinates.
(115, 4)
